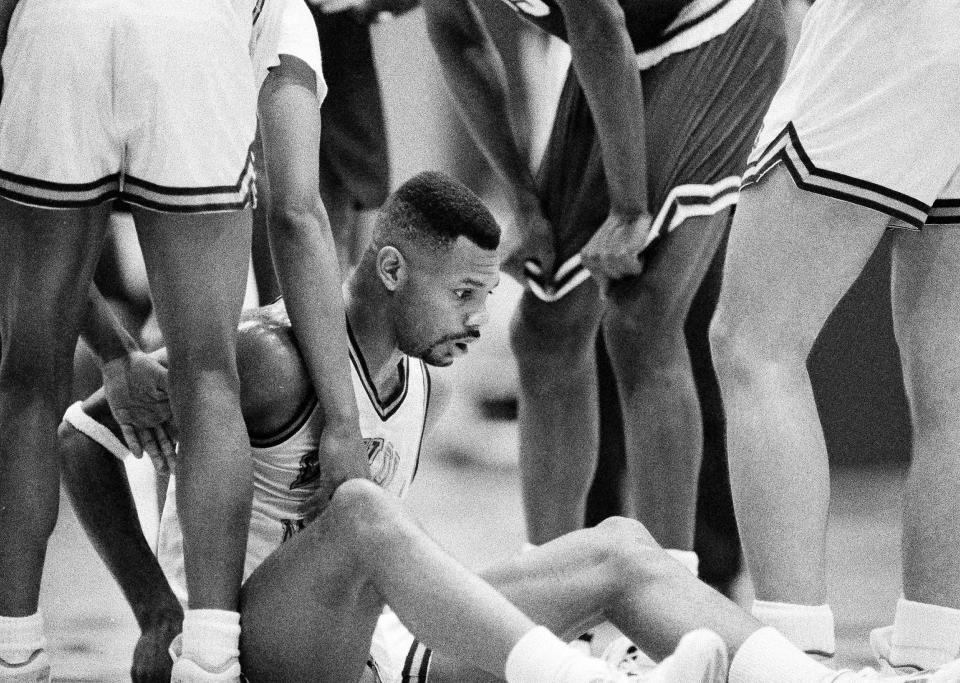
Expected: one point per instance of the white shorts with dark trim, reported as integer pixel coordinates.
(395, 655)
(149, 101)
(868, 111)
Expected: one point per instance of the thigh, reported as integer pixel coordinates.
(792, 255)
(566, 327)
(308, 614)
(655, 303)
(47, 259)
(197, 266)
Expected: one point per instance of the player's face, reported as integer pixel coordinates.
(443, 302)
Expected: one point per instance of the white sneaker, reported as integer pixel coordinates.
(188, 671)
(34, 670)
(700, 657)
(622, 655)
(948, 673)
(881, 642)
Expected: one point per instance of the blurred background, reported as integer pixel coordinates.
(467, 493)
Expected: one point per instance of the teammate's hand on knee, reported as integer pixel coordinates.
(136, 389)
(151, 656)
(615, 250)
(528, 248)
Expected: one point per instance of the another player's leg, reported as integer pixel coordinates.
(644, 330)
(197, 266)
(925, 291)
(791, 257)
(46, 263)
(309, 610)
(554, 347)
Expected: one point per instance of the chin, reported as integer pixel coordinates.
(438, 362)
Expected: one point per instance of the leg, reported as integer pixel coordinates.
(606, 497)
(47, 260)
(644, 330)
(791, 256)
(614, 571)
(716, 540)
(554, 347)
(309, 610)
(925, 290)
(197, 266)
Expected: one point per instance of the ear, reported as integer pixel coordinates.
(392, 268)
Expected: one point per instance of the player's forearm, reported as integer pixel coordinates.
(102, 331)
(97, 486)
(309, 275)
(605, 65)
(475, 76)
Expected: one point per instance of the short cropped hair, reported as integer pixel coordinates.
(433, 209)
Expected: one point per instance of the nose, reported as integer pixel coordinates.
(478, 319)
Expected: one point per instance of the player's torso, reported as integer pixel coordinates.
(647, 20)
(286, 466)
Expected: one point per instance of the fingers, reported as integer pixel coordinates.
(133, 441)
(167, 446)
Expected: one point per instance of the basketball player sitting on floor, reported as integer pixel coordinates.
(315, 590)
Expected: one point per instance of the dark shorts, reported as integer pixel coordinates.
(702, 110)
(353, 135)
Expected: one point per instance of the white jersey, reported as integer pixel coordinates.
(283, 27)
(286, 466)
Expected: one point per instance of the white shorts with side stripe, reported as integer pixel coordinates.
(868, 109)
(150, 101)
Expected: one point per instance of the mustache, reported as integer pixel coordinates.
(471, 334)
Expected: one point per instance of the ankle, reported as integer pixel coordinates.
(809, 627)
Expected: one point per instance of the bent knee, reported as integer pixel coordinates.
(551, 342)
(363, 510)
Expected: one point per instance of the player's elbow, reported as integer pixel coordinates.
(293, 216)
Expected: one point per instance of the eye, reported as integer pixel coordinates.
(463, 294)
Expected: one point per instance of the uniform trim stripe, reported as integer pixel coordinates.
(426, 411)
(682, 203)
(787, 149)
(133, 190)
(50, 195)
(386, 408)
(697, 23)
(295, 425)
(944, 212)
(416, 668)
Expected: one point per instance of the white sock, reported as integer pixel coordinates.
(809, 627)
(924, 635)
(211, 637)
(768, 656)
(20, 637)
(687, 558)
(541, 657)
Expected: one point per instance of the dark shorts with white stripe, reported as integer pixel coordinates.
(702, 110)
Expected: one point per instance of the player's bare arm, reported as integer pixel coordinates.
(475, 76)
(605, 64)
(305, 256)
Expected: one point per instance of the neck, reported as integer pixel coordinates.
(368, 310)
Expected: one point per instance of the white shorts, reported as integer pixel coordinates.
(868, 109)
(286, 27)
(396, 656)
(149, 101)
